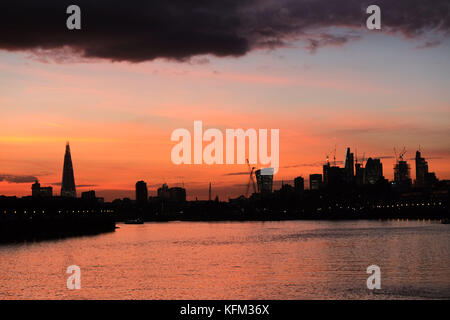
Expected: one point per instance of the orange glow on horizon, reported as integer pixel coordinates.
(119, 117)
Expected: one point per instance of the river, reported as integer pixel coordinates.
(236, 260)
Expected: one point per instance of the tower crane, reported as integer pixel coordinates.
(399, 157)
(402, 154)
(251, 179)
(334, 156)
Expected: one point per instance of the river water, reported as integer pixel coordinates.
(236, 260)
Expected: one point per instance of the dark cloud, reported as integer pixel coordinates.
(180, 29)
(242, 173)
(429, 44)
(324, 40)
(78, 185)
(428, 158)
(313, 164)
(17, 178)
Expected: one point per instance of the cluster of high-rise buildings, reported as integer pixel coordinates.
(358, 174)
(353, 173)
(174, 194)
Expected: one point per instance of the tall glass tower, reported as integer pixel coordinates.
(68, 180)
(349, 166)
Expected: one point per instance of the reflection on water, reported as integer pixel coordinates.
(242, 260)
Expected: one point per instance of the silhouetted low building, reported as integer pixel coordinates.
(299, 184)
(88, 195)
(315, 181)
(287, 189)
(430, 179)
(41, 192)
(163, 192)
(177, 194)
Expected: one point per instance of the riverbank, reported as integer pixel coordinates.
(43, 227)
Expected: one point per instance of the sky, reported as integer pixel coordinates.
(324, 82)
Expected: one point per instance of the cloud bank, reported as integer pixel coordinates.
(11, 178)
(141, 30)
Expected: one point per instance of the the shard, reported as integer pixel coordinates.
(68, 179)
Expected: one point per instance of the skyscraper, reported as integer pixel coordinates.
(421, 170)
(326, 170)
(141, 192)
(402, 174)
(373, 172)
(424, 178)
(264, 179)
(333, 176)
(359, 174)
(68, 180)
(349, 167)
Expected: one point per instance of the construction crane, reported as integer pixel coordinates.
(400, 156)
(334, 156)
(360, 159)
(209, 197)
(251, 179)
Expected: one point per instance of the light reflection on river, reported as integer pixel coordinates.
(236, 260)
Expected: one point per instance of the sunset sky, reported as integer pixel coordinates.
(368, 90)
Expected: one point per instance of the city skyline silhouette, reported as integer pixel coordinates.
(225, 149)
(372, 90)
(349, 168)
